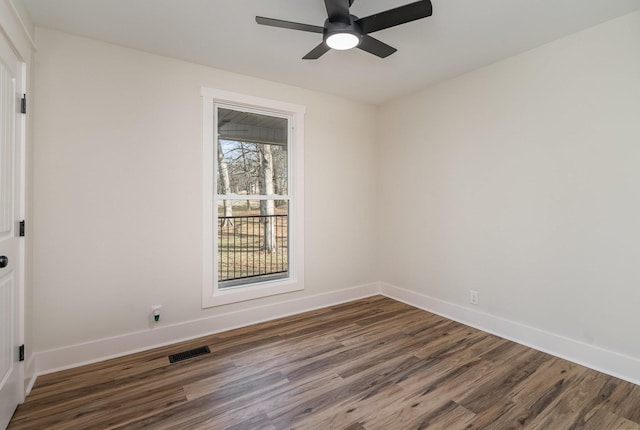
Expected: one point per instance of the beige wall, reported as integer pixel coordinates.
(117, 189)
(521, 180)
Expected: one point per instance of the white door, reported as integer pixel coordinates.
(11, 131)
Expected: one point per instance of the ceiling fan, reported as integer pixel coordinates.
(345, 31)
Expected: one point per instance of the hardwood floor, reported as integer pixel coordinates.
(369, 364)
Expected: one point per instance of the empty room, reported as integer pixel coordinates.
(320, 214)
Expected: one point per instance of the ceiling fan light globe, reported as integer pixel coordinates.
(342, 41)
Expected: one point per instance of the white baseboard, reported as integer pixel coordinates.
(29, 374)
(602, 360)
(103, 349)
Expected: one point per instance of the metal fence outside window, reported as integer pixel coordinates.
(252, 248)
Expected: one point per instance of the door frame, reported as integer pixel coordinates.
(11, 275)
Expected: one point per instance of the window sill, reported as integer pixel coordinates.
(242, 293)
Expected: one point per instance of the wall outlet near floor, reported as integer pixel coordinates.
(473, 297)
(156, 312)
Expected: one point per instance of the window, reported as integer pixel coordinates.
(253, 203)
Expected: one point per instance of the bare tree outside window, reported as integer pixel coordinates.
(267, 207)
(226, 187)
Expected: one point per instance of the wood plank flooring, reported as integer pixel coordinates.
(370, 364)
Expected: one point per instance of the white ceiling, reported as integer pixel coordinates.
(462, 35)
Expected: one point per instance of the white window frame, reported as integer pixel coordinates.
(212, 295)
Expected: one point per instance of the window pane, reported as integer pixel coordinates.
(252, 153)
(253, 243)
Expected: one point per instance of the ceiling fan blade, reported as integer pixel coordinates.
(392, 17)
(338, 10)
(375, 47)
(317, 52)
(288, 24)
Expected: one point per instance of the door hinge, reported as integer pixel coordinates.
(23, 104)
(21, 228)
(21, 353)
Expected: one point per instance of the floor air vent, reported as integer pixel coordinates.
(189, 354)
